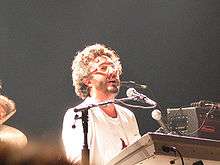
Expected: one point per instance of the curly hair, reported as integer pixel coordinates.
(80, 65)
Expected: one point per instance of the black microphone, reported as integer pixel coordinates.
(131, 92)
(133, 84)
(156, 115)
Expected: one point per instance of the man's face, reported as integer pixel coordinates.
(104, 76)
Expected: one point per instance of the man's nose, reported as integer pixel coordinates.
(112, 70)
(113, 73)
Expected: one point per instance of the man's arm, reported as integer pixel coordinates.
(72, 136)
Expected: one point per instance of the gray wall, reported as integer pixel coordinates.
(173, 46)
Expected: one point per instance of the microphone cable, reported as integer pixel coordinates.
(203, 122)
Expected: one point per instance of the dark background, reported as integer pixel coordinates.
(172, 46)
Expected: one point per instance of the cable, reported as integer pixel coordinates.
(167, 149)
(180, 156)
(207, 114)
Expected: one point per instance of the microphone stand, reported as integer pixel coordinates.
(85, 151)
(84, 110)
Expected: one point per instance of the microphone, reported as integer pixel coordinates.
(133, 84)
(131, 92)
(156, 115)
(205, 103)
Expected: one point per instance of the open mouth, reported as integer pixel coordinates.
(115, 82)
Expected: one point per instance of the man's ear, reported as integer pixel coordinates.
(87, 81)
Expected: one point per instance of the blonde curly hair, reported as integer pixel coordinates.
(80, 65)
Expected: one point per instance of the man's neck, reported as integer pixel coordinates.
(103, 97)
(109, 109)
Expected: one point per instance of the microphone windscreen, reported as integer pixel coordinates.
(156, 114)
(130, 92)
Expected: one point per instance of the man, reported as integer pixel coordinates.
(96, 77)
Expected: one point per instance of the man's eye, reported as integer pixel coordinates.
(103, 68)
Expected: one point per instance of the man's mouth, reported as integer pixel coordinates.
(114, 82)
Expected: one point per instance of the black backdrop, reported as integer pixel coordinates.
(172, 46)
